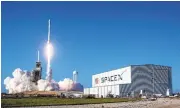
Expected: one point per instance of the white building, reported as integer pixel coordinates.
(132, 80)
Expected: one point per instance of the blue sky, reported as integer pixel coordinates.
(91, 37)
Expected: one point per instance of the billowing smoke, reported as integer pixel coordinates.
(45, 85)
(68, 84)
(22, 81)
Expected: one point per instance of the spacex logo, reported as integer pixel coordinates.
(112, 78)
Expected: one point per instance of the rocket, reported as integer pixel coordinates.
(49, 22)
(49, 51)
(38, 69)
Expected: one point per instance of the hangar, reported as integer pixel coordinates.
(132, 80)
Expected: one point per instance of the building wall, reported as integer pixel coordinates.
(105, 90)
(162, 79)
(151, 79)
(86, 91)
(124, 90)
(142, 78)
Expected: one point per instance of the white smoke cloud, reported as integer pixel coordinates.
(42, 85)
(45, 85)
(66, 84)
(21, 82)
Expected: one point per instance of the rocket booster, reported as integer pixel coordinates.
(49, 31)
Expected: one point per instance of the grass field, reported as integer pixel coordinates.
(58, 101)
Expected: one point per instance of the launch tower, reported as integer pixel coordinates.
(37, 71)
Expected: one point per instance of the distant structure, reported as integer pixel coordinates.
(37, 71)
(75, 75)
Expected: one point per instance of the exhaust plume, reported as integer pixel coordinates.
(22, 81)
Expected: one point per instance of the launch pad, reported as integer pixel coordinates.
(32, 82)
(59, 94)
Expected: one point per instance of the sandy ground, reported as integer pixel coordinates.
(159, 103)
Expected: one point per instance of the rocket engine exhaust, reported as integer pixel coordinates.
(49, 52)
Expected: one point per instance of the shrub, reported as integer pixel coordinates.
(110, 96)
(89, 96)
